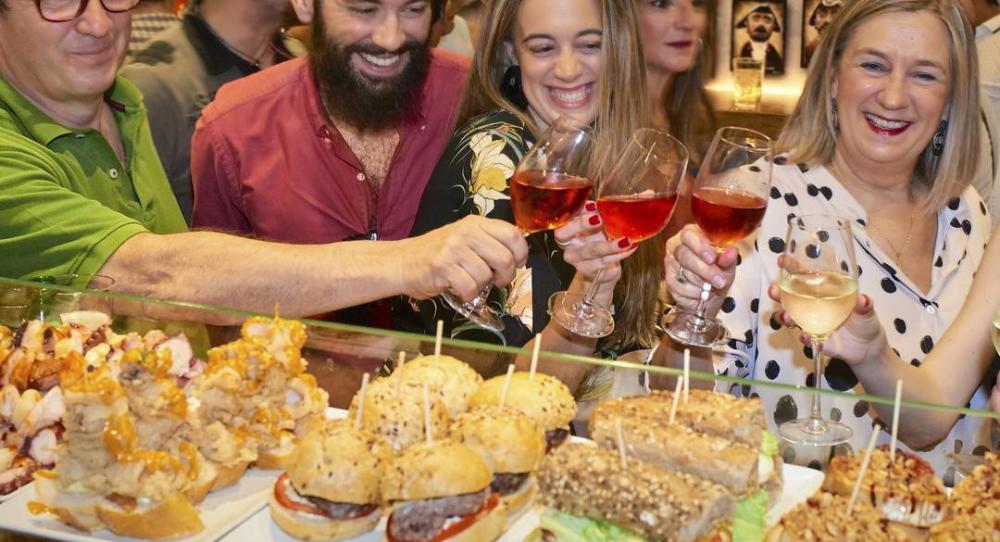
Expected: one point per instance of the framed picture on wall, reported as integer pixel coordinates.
(816, 18)
(759, 32)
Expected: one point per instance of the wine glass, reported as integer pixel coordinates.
(819, 288)
(635, 198)
(728, 202)
(549, 186)
(995, 332)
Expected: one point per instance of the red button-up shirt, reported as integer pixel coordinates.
(266, 161)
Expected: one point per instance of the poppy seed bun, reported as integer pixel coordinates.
(442, 468)
(394, 412)
(339, 463)
(546, 400)
(453, 378)
(508, 440)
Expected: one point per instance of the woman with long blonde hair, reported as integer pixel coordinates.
(537, 61)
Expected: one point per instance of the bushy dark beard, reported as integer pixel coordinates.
(365, 103)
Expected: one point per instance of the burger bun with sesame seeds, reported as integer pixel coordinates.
(453, 378)
(543, 398)
(331, 490)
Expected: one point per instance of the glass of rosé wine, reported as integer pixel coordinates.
(549, 186)
(728, 201)
(635, 199)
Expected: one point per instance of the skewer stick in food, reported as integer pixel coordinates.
(895, 421)
(534, 357)
(402, 359)
(506, 386)
(862, 471)
(687, 373)
(621, 444)
(427, 415)
(437, 338)
(677, 396)
(361, 401)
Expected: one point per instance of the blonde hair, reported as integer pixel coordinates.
(622, 108)
(810, 134)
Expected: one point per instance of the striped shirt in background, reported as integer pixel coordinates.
(147, 25)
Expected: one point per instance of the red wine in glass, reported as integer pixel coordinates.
(544, 200)
(637, 217)
(726, 215)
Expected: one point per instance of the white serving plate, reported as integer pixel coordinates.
(220, 512)
(800, 483)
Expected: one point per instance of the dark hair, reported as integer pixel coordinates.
(689, 112)
(3, 6)
(437, 8)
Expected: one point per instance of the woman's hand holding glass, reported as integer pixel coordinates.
(692, 260)
(592, 254)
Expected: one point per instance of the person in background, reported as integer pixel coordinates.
(180, 71)
(879, 137)
(82, 192)
(451, 31)
(150, 18)
(985, 17)
(338, 145)
(820, 19)
(539, 60)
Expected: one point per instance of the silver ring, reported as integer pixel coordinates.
(680, 276)
(559, 243)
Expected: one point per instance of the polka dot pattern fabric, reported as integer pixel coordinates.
(913, 320)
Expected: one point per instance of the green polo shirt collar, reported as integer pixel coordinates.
(123, 97)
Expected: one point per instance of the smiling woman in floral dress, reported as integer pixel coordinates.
(539, 60)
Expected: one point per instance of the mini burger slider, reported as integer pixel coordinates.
(331, 489)
(544, 399)
(440, 492)
(511, 444)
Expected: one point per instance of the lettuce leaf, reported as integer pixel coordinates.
(569, 528)
(749, 523)
(769, 444)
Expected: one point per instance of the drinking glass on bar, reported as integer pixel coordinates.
(549, 186)
(635, 198)
(819, 288)
(748, 82)
(728, 202)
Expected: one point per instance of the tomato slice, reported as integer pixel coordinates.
(456, 527)
(283, 485)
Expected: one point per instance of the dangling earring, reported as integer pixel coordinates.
(937, 142)
(836, 117)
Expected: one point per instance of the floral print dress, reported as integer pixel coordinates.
(473, 176)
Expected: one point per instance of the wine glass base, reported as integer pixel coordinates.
(476, 311)
(693, 330)
(580, 318)
(809, 432)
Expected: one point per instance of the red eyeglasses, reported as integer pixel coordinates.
(61, 11)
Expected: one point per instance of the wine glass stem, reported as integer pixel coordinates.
(588, 299)
(816, 422)
(476, 302)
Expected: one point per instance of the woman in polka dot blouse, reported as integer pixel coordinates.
(880, 137)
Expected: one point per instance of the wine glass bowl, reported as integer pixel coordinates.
(728, 202)
(549, 186)
(818, 288)
(636, 195)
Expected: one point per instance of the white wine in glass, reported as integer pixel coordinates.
(819, 288)
(995, 333)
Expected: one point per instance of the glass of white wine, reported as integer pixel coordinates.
(995, 333)
(819, 288)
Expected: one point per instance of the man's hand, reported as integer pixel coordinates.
(461, 257)
(689, 252)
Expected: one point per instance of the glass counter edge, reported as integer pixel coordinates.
(504, 349)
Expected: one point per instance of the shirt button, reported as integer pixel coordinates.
(113, 173)
(361, 177)
(930, 309)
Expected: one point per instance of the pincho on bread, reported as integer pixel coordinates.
(454, 379)
(511, 444)
(331, 490)
(591, 496)
(440, 492)
(394, 412)
(824, 518)
(543, 398)
(974, 510)
(905, 490)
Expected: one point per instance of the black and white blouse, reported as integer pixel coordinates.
(913, 321)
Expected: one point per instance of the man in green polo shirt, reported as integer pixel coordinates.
(82, 191)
